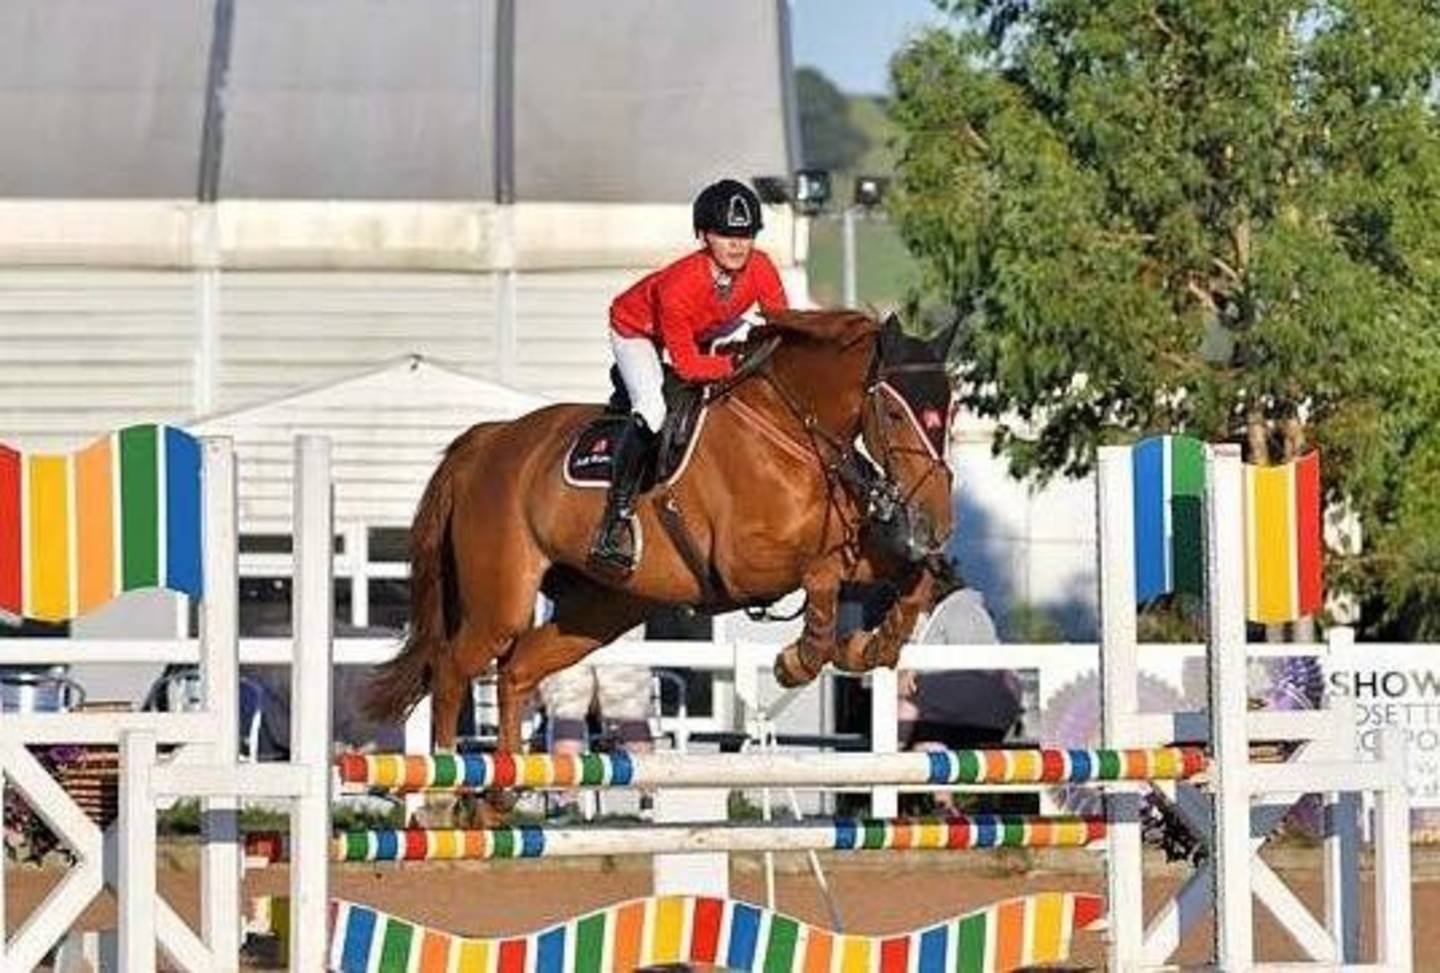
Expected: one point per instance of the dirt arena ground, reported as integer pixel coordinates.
(876, 894)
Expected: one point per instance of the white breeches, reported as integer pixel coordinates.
(639, 364)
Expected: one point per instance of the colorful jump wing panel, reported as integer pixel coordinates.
(1283, 540)
(121, 514)
(669, 930)
(1282, 529)
(1169, 482)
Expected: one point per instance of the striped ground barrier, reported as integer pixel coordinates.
(671, 930)
(840, 834)
(469, 772)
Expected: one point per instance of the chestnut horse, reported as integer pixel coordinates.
(775, 496)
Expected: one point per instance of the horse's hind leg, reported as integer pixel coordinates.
(499, 583)
(490, 628)
(585, 618)
(472, 650)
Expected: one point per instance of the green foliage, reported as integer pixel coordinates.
(181, 818)
(1219, 217)
(350, 817)
(829, 138)
(265, 818)
(1031, 624)
(1177, 618)
(871, 115)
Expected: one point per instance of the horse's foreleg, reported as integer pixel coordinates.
(864, 651)
(802, 660)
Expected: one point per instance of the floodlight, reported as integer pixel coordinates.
(870, 190)
(812, 190)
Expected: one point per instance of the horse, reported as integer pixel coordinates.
(775, 496)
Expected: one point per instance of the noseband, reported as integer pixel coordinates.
(891, 511)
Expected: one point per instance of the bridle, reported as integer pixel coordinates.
(887, 508)
(891, 507)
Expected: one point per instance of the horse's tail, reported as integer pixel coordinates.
(399, 684)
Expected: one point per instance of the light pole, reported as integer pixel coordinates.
(847, 260)
(869, 193)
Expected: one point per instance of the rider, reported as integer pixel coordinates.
(676, 310)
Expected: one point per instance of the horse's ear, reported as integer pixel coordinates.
(940, 344)
(891, 337)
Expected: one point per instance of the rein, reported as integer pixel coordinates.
(846, 465)
(873, 489)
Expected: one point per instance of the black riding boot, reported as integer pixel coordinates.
(614, 545)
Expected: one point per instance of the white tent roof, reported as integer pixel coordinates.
(388, 427)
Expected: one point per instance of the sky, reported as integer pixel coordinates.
(851, 41)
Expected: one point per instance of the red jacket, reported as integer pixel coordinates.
(678, 307)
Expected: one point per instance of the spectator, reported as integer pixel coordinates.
(957, 709)
(623, 696)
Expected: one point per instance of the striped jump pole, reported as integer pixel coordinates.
(469, 772)
(842, 834)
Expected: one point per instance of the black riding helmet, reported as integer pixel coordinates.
(729, 208)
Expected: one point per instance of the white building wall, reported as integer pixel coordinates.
(83, 352)
(282, 331)
(563, 338)
(1025, 547)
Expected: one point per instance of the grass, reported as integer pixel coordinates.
(886, 271)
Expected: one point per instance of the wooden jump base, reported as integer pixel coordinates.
(470, 772)
(841, 834)
(673, 930)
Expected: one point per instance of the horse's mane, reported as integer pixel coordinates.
(826, 327)
(809, 346)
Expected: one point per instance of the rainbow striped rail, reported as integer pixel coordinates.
(697, 930)
(837, 834)
(468, 772)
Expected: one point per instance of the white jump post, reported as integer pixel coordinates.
(222, 859)
(1228, 705)
(311, 693)
(1235, 821)
(202, 738)
(221, 781)
(1120, 699)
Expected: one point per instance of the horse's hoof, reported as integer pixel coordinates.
(438, 811)
(854, 654)
(501, 801)
(791, 672)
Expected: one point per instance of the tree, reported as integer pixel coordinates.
(1219, 217)
(829, 138)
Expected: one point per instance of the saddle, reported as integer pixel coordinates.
(588, 462)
